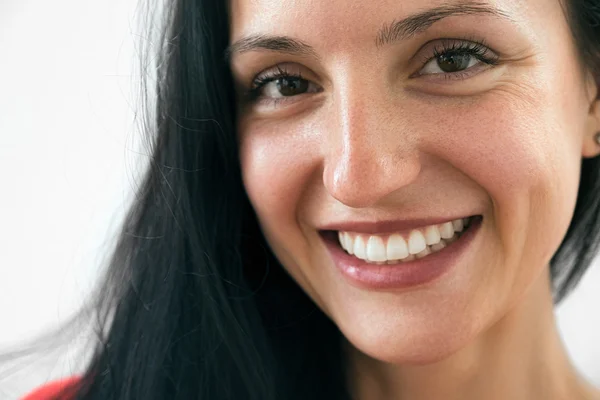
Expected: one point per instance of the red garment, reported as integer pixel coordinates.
(48, 391)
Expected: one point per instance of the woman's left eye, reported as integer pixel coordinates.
(449, 63)
(454, 58)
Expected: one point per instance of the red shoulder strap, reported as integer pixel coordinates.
(48, 391)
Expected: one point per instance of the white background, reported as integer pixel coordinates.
(68, 150)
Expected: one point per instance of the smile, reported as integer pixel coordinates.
(402, 247)
(401, 259)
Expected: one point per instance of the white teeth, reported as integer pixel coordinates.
(376, 250)
(447, 230)
(360, 250)
(416, 242)
(424, 253)
(458, 225)
(349, 243)
(397, 248)
(432, 235)
(438, 246)
(346, 241)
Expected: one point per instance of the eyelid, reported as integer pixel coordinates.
(251, 92)
(477, 48)
(427, 51)
(455, 76)
(289, 68)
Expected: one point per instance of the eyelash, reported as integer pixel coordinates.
(260, 81)
(472, 47)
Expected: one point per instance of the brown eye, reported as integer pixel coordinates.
(453, 62)
(284, 86)
(449, 63)
(291, 86)
(453, 59)
(281, 84)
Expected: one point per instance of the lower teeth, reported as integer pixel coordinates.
(428, 250)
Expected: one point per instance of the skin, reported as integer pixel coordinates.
(373, 140)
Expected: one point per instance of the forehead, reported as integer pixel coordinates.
(341, 23)
(332, 18)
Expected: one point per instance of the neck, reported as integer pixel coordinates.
(520, 357)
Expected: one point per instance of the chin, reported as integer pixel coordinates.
(410, 343)
(403, 351)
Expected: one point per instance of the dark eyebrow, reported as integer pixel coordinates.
(281, 44)
(417, 23)
(389, 33)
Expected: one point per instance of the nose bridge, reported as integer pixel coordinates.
(371, 151)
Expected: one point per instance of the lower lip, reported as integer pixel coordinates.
(403, 275)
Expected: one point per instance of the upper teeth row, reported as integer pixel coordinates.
(395, 246)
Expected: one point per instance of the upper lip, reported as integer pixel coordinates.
(383, 227)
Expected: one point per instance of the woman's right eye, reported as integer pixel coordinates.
(281, 85)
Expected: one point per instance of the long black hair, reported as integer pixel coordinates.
(194, 305)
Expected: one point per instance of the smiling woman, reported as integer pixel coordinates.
(359, 200)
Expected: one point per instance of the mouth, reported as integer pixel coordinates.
(400, 259)
(402, 247)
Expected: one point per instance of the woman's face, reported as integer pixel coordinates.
(398, 115)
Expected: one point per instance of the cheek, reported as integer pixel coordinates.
(264, 170)
(523, 151)
(278, 169)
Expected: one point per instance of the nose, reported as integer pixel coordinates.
(372, 151)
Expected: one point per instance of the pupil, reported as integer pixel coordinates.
(291, 86)
(453, 62)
